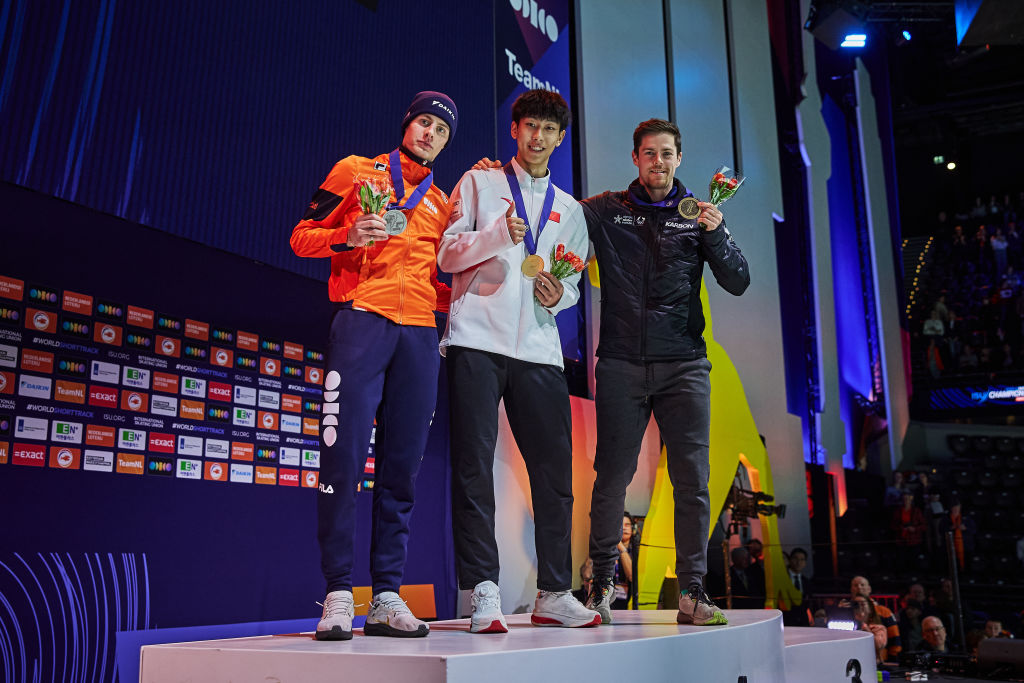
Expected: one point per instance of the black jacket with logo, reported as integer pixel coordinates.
(651, 261)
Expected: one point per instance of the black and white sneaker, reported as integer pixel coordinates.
(602, 592)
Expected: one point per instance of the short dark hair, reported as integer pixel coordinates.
(545, 105)
(794, 551)
(655, 127)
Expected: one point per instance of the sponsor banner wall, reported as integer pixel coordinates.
(99, 455)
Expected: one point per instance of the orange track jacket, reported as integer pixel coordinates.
(395, 278)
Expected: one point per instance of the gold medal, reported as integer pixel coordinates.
(532, 265)
(688, 208)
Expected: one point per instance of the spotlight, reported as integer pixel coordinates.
(854, 40)
(906, 35)
(951, 166)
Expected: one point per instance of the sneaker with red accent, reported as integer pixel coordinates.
(487, 616)
(561, 608)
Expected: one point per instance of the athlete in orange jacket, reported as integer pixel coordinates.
(382, 359)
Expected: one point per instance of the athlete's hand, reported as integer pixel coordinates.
(547, 288)
(710, 217)
(486, 164)
(367, 228)
(516, 225)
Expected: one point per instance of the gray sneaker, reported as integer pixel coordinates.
(560, 608)
(336, 622)
(695, 607)
(390, 616)
(602, 592)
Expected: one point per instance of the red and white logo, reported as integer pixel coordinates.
(161, 443)
(215, 471)
(287, 477)
(270, 366)
(168, 346)
(41, 321)
(314, 375)
(310, 479)
(25, 454)
(102, 397)
(218, 391)
(222, 357)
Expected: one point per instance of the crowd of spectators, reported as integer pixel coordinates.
(973, 300)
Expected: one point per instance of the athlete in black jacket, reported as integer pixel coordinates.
(652, 356)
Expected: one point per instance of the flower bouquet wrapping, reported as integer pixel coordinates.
(724, 184)
(565, 263)
(374, 195)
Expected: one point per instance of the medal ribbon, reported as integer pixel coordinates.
(399, 184)
(670, 200)
(545, 212)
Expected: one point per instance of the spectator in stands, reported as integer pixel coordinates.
(865, 615)
(933, 356)
(940, 308)
(758, 587)
(933, 326)
(910, 624)
(978, 210)
(959, 239)
(894, 492)
(968, 361)
(586, 580)
(623, 573)
(994, 629)
(798, 615)
(742, 597)
(859, 586)
(909, 527)
(963, 529)
(933, 633)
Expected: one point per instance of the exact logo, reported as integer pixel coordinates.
(218, 391)
(161, 443)
(28, 454)
(287, 477)
(102, 397)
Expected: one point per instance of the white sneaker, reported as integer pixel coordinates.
(562, 609)
(336, 622)
(487, 616)
(390, 616)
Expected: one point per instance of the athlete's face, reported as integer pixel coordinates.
(536, 139)
(657, 158)
(426, 135)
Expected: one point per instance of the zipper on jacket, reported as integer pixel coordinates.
(401, 282)
(643, 290)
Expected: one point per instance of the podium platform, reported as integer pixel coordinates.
(640, 647)
(821, 655)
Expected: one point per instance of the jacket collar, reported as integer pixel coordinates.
(527, 180)
(638, 197)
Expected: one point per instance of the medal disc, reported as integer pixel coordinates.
(532, 265)
(688, 208)
(395, 222)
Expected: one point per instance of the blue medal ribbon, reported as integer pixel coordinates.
(671, 200)
(396, 180)
(545, 212)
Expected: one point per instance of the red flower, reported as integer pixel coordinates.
(733, 183)
(559, 252)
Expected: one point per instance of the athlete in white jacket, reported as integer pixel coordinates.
(502, 342)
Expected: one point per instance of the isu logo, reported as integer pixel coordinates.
(41, 320)
(65, 458)
(108, 334)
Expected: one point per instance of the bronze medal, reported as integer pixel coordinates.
(532, 265)
(688, 208)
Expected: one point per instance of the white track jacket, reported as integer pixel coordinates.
(493, 306)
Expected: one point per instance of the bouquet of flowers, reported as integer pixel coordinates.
(374, 195)
(565, 263)
(723, 185)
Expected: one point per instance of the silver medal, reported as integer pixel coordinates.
(395, 222)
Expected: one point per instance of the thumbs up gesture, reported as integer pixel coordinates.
(516, 225)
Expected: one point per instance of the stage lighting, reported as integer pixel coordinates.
(951, 166)
(854, 40)
(840, 619)
(906, 34)
(834, 22)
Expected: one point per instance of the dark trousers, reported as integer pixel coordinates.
(679, 395)
(373, 362)
(537, 405)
